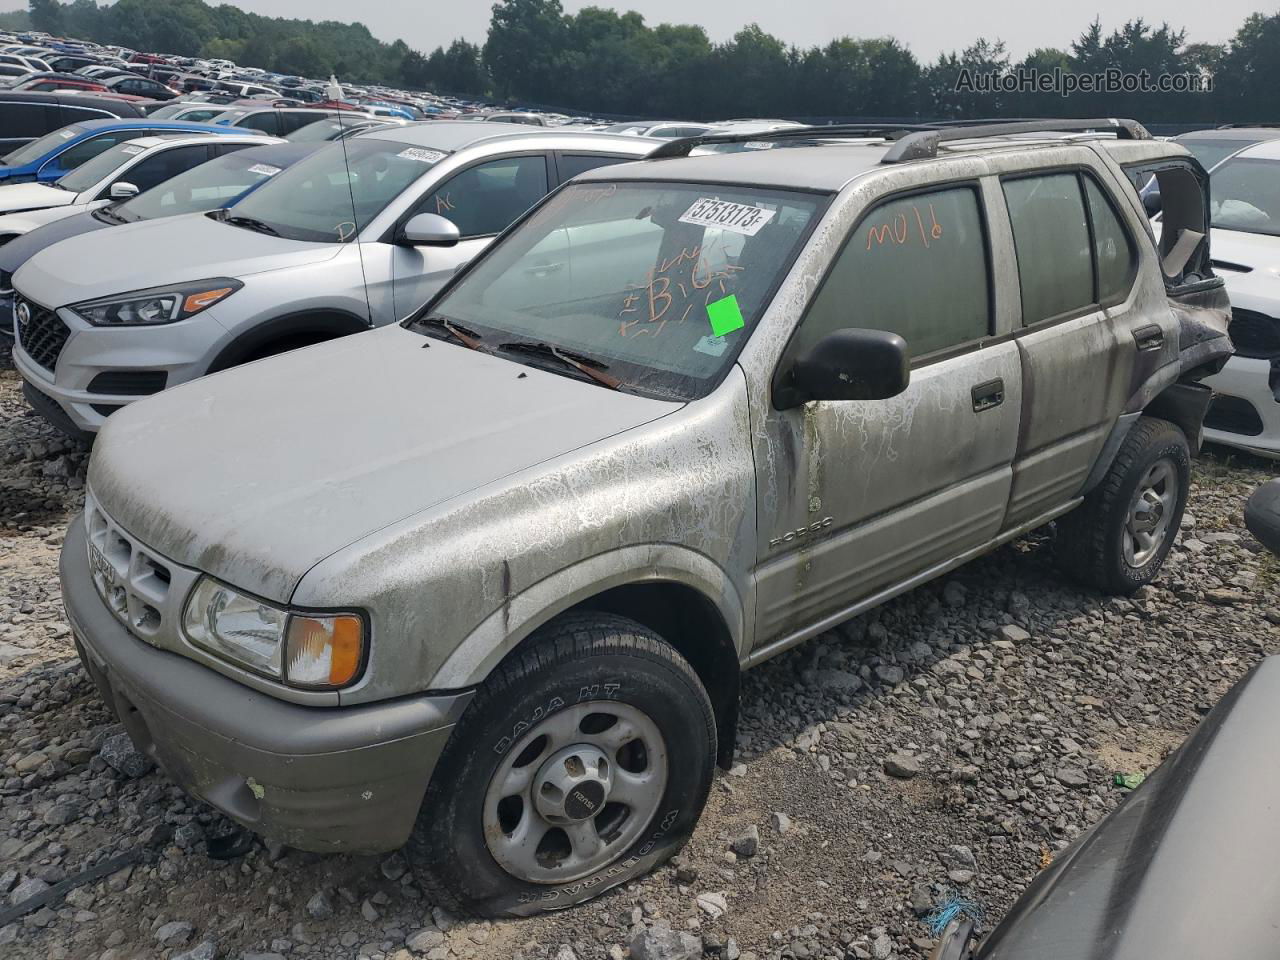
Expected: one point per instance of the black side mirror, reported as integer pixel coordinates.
(847, 364)
(1262, 515)
(1151, 201)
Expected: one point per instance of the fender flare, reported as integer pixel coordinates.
(504, 629)
(331, 322)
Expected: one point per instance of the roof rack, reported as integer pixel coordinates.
(1265, 124)
(923, 144)
(912, 141)
(890, 131)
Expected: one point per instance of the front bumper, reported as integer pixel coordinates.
(327, 779)
(1249, 380)
(177, 351)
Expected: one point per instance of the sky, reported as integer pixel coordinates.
(928, 27)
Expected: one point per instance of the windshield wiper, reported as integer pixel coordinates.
(109, 215)
(468, 338)
(252, 224)
(583, 364)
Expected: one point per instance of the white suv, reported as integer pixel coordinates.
(357, 235)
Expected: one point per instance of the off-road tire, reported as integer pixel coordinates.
(1090, 539)
(568, 657)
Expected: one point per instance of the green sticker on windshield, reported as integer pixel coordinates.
(725, 316)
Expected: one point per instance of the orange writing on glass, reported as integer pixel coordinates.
(914, 225)
(647, 308)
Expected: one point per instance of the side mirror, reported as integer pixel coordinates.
(1151, 201)
(123, 190)
(1262, 515)
(430, 230)
(847, 364)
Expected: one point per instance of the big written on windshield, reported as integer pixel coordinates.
(662, 282)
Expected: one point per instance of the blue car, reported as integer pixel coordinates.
(58, 153)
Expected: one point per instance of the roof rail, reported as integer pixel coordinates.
(1265, 124)
(923, 144)
(890, 131)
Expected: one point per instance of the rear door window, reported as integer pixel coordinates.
(486, 199)
(572, 164)
(87, 149)
(916, 266)
(1113, 247)
(23, 121)
(1051, 240)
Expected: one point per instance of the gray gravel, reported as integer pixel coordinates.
(949, 744)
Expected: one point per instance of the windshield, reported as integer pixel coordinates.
(206, 187)
(334, 193)
(1246, 196)
(1210, 153)
(661, 282)
(103, 165)
(36, 149)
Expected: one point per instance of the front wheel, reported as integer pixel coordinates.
(583, 762)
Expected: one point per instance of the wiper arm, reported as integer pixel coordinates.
(108, 214)
(468, 338)
(583, 364)
(252, 224)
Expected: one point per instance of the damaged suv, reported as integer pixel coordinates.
(483, 582)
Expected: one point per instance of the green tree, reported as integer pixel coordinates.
(525, 47)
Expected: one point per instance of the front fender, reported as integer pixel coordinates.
(504, 629)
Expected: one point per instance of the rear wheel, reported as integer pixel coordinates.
(1118, 539)
(583, 762)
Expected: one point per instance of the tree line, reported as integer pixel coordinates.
(601, 61)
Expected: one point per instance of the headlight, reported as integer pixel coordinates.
(157, 305)
(304, 650)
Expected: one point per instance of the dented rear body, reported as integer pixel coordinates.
(459, 499)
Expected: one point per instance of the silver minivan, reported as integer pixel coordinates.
(360, 234)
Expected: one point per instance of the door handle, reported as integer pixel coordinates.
(1149, 338)
(543, 269)
(988, 396)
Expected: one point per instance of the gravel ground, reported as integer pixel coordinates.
(947, 745)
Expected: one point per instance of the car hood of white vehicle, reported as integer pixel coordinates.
(17, 223)
(34, 196)
(256, 474)
(152, 253)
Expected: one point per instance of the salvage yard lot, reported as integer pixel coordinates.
(1003, 701)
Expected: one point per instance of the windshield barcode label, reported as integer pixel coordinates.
(264, 169)
(739, 217)
(132, 151)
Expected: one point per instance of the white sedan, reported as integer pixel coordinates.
(116, 174)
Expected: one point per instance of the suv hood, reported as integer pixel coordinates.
(136, 256)
(33, 196)
(256, 474)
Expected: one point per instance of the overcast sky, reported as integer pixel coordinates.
(926, 26)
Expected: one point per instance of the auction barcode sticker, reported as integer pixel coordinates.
(739, 217)
(425, 156)
(264, 169)
(132, 151)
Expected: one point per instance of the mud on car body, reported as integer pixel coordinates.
(483, 582)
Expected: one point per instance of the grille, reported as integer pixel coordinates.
(40, 333)
(1255, 335)
(129, 383)
(1233, 415)
(132, 583)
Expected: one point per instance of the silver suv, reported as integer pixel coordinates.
(361, 233)
(484, 582)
